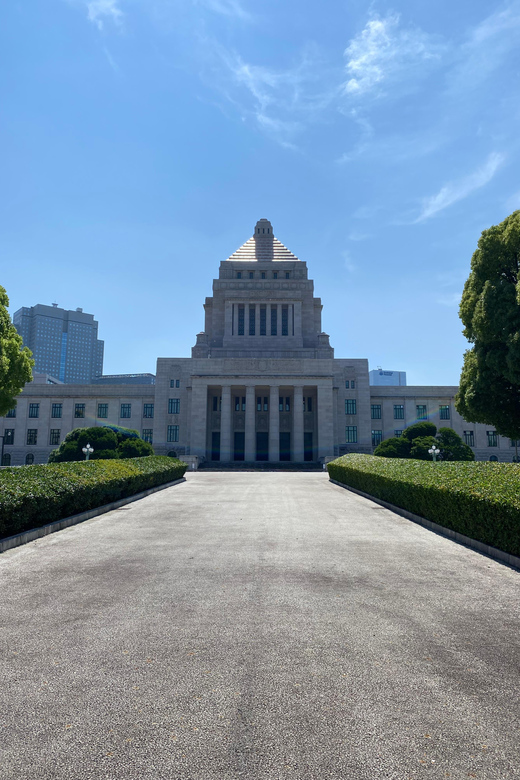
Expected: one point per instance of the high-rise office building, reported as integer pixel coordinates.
(64, 343)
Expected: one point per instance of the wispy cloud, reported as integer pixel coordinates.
(100, 11)
(231, 8)
(458, 190)
(384, 50)
(111, 61)
(347, 262)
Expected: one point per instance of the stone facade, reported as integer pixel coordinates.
(262, 383)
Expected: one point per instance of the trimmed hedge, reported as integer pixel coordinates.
(32, 496)
(480, 500)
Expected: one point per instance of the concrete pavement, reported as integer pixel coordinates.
(256, 625)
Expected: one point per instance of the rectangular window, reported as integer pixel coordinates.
(350, 406)
(239, 274)
(148, 411)
(285, 320)
(377, 438)
(421, 412)
(398, 432)
(352, 384)
(147, 435)
(32, 436)
(54, 436)
(217, 403)
(398, 412)
(102, 411)
(309, 404)
(258, 404)
(79, 410)
(174, 405)
(56, 411)
(177, 383)
(275, 274)
(251, 274)
(287, 274)
(126, 411)
(266, 404)
(11, 412)
(237, 403)
(469, 438)
(34, 410)
(375, 410)
(514, 442)
(444, 412)
(351, 434)
(492, 437)
(263, 320)
(241, 315)
(252, 319)
(288, 404)
(173, 433)
(8, 436)
(274, 320)
(347, 384)
(262, 275)
(172, 382)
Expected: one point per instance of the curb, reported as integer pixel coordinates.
(58, 525)
(467, 541)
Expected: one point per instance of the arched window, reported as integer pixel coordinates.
(6, 460)
(172, 454)
(493, 458)
(29, 459)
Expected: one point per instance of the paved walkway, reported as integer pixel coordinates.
(256, 625)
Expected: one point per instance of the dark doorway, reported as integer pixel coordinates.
(285, 446)
(240, 440)
(262, 446)
(307, 446)
(215, 445)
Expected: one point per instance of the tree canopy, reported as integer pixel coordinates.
(417, 439)
(108, 442)
(490, 311)
(15, 361)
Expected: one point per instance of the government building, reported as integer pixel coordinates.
(262, 384)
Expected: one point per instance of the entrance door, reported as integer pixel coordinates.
(285, 446)
(307, 446)
(240, 440)
(262, 446)
(215, 445)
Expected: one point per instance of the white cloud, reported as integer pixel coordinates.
(347, 262)
(355, 236)
(382, 51)
(457, 190)
(99, 11)
(231, 8)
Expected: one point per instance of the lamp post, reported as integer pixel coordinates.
(87, 450)
(433, 451)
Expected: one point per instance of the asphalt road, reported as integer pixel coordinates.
(257, 625)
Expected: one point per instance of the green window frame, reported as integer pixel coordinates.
(173, 433)
(56, 411)
(79, 411)
(350, 406)
(174, 406)
(398, 411)
(375, 411)
(102, 411)
(422, 412)
(351, 434)
(125, 411)
(444, 411)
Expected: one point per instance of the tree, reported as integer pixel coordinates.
(419, 429)
(452, 447)
(15, 361)
(421, 445)
(108, 441)
(489, 389)
(395, 447)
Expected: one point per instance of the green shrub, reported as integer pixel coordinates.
(108, 441)
(395, 447)
(480, 500)
(421, 445)
(134, 448)
(419, 430)
(32, 496)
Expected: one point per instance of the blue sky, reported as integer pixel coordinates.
(142, 140)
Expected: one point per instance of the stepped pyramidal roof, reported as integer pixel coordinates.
(263, 246)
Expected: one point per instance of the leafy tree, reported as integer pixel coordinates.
(489, 389)
(421, 445)
(395, 447)
(134, 448)
(15, 361)
(108, 441)
(419, 429)
(452, 447)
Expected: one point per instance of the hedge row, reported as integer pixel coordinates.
(32, 496)
(480, 500)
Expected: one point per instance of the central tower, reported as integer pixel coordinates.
(263, 305)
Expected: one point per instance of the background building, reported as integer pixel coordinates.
(64, 343)
(378, 378)
(125, 379)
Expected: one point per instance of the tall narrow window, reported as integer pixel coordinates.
(174, 405)
(266, 404)
(377, 438)
(217, 403)
(280, 404)
(252, 319)
(8, 436)
(102, 411)
(285, 320)
(351, 434)
(421, 412)
(492, 437)
(262, 275)
(239, 274)
(147, 435)
(259, 404)
(11, 412)
(275, 274)
(444, 412)
(54, 436)
(287, 274)
(237, 403)
(347, 384)
(241, 315)
(469, 438)
(34, 410)
(148, 411)
(274, 320)
(32, 436)
(173, 433)
(243, 403)
(375, 410)
(398, 412)
(251, 274)
(79, 410)
(126, 411)
(56, 411)
(352, 384)
(350, 406)
(263, 313)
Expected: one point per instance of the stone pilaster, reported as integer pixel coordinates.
(325, 421)
(250, 436)
(274, 424)
(298, 424)
(225, 424)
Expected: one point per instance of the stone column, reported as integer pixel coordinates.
(279, 318)
(250, 437)
(225, 424)
(228, 319)
(298, 425)
(325, 421)
(257, 319)
(199, 413)
(274, 424)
